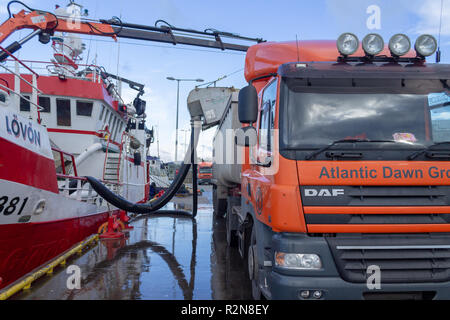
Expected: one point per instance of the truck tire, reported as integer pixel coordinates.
(252, 263)
(219, 205)
(232, 238)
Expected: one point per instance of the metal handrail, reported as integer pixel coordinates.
(63, 165)
(21, 78)
(106, 153)
(124, 133)
(65, 176)
(19, 61)
(22, 96)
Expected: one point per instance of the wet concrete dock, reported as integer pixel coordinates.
(164, 258)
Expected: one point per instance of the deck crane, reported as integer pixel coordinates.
(44, 24)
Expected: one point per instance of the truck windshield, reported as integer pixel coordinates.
(311, 119)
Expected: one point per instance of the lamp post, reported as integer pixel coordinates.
(185, 144)
(178, 99)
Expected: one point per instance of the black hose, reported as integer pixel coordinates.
(141, 208)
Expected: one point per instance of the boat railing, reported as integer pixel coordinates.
(78, 188)
(62, 156)
(92, 69)
(18, 77)
(122, 143)
(91, 72)
(108, 140)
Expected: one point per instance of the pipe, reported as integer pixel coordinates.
(194, 174)
(121, 203)
(86, 153)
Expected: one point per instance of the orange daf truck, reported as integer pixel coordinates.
(204, 172)
(344, 187)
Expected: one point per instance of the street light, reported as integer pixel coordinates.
(185, 144)
(178, 99)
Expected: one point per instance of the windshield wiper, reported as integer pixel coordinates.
(315, 153)
(414, 155)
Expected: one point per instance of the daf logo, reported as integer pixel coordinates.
(324, 192)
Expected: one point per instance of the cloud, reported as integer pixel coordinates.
(14, 8)
(429, 14)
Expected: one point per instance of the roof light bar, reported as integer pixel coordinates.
(399, 45)
(425, 45)
(373, 44)
(347, 44)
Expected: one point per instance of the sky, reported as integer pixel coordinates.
(151, 63)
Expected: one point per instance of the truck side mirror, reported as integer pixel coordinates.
(248, 104)
(245, 137)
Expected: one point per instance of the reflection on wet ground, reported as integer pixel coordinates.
(163, 257)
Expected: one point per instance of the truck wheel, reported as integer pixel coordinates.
(253, 270)
(232, 238)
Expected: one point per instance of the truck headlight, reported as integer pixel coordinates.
(426, 45)
(299, 261)
(399, 45)
(347, 44)
(373, 44)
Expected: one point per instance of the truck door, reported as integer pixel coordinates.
(266, 124)
(264, 151)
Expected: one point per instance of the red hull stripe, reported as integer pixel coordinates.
(52, 85)
(23, 166)
(74, 131)
(26, 246)
(58, 130)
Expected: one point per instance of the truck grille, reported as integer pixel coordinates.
(375, 195)
(401, 258)
(329, 219)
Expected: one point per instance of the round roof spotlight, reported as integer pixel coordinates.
(347, 44)
(373, 44)
(399, 45)
(426, 45)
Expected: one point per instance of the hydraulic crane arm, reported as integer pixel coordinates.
(45, 23)
(133, 84)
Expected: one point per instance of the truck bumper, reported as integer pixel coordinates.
(334, 288)
(288, 284)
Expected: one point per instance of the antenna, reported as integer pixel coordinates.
(438, 52)
(298, 52)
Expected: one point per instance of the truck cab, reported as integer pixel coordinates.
(345, 182)
(204, 172)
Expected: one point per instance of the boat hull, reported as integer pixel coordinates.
(25, 246)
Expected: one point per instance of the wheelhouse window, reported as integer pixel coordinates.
(119, 130)
(101, 113)
(110, 120)
(25, 104)
(84, 108)
(113, 127)
(44, 103)
(63, 112)
(106, 116)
